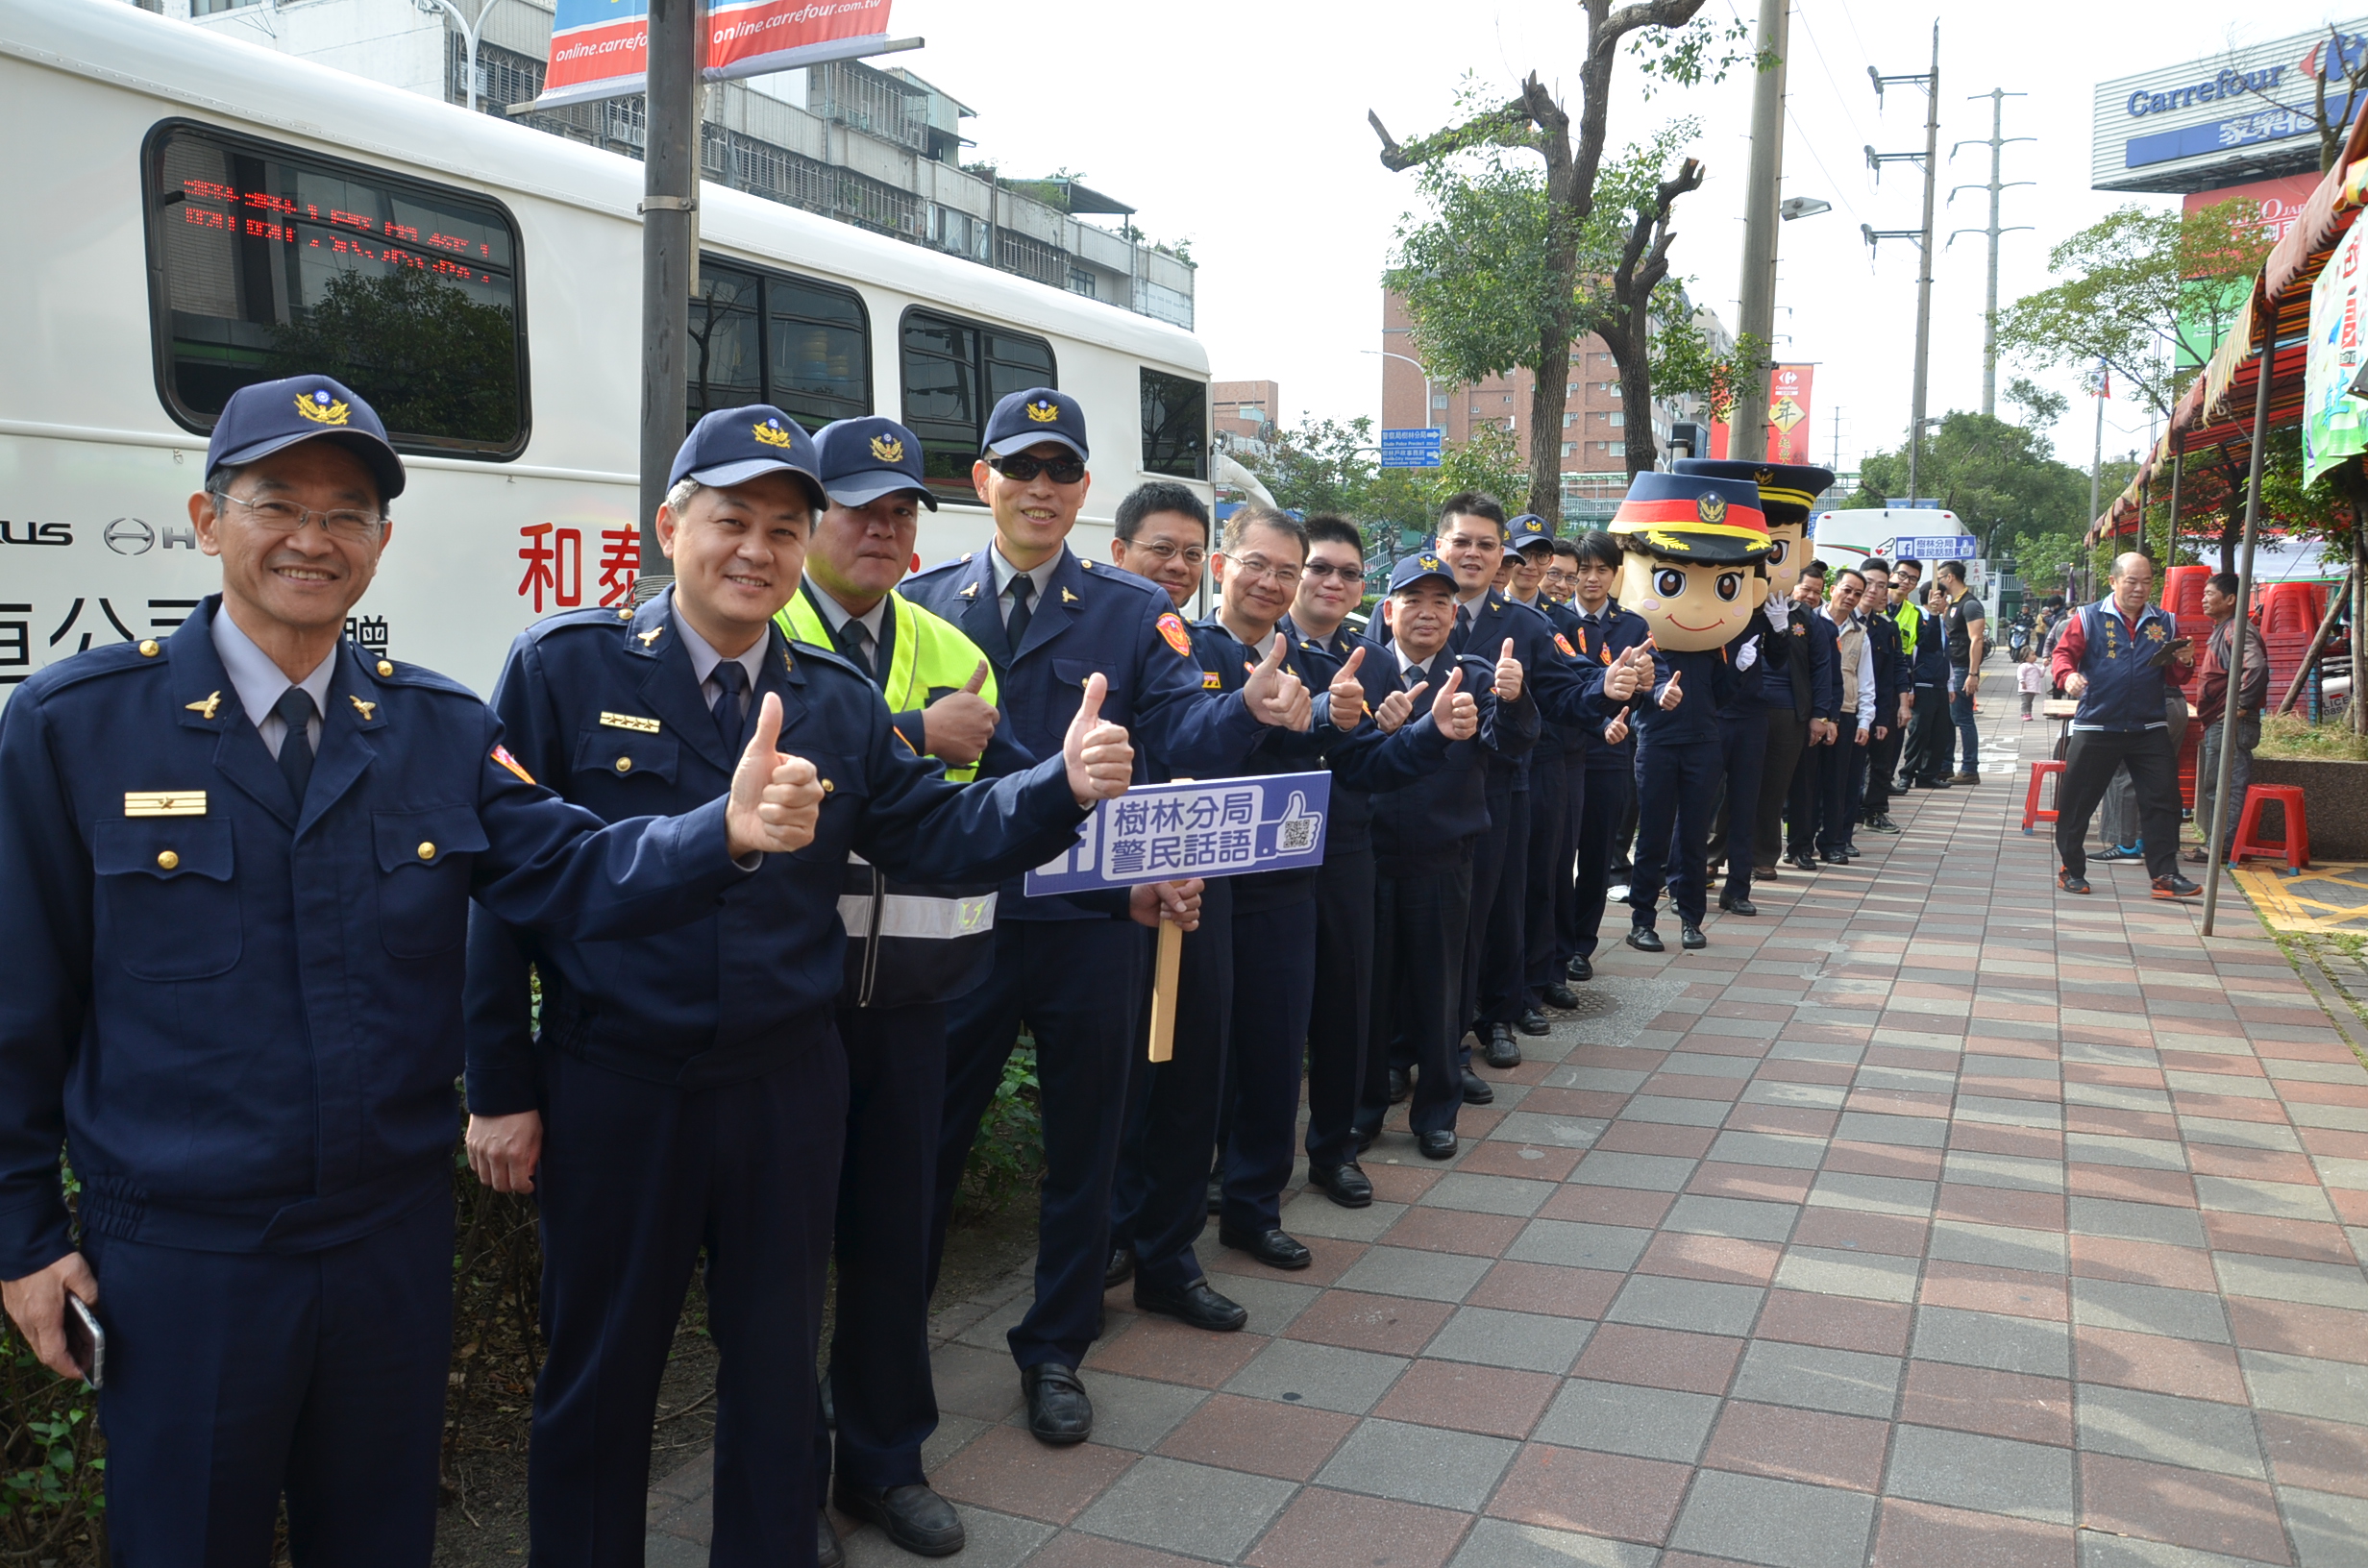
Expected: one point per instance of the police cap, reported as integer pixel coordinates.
(270, 416)
(1412, 569)
(1040, 413)
(733, 445)
(1529, 531)
(863, 459)
(1786, 489)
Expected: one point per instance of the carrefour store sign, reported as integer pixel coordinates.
(2241, 115)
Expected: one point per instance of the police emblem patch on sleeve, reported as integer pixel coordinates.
(1564, 643)
(1171, 627)
(500, 754)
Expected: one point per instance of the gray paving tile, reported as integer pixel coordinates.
(1674, 1111)
(2345, 1175)
(1817, 1379)
(1501, 1543)
(1999, 1246)
(1419, 1464)
(2170, 1225)
(2149, 1309)
(1812, 1097)
(1779, 1523)
(1312, 1214)
(1995, 1340)
(1488, 1194)
(2007, 1170)
(1990, 1475)
(1987, 1066)
(1327, 1377)
(1579, 1244)
(1599, 1080)
(1652, 1172)
(953, 1433)
(1908, 1131)
(1136, 1413)
(2219, 1083)
(2289, 1278)
(2117, 1097)
(1713, 1063)
(1618, 1418)
(2305, 1386)
(2138, 1153)
(1738, 1217)
(2350, 1118)
(1835, 1272)
(2099, 1549)
(1529, 1341)
(1872, 1194)
(1416, 1271)
(1549, 1132)
(2327, 1530)
(997, 1540)
(1698, 1304)
(2001, 1113)
(2197, 1434)
(1770, 1149)
(1179, 1506)
(2281, 1200)
(1272, 1302)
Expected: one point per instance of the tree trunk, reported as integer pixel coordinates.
(1545, 424)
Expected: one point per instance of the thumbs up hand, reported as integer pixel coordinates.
(1508, 673)
(1268, 691)
(1348, 693)
(1621, 677)
(1453, 710)
(1398, 706)
(775, 799)
(958, 726)
(1099, 759)
(1670, 696)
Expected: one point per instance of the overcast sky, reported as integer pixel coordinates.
(1242, 127)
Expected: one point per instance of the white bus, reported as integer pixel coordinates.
(196, 213)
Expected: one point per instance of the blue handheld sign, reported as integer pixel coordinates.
(1212, 827)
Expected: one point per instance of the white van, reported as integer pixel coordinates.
(197, 213)
(1846, 537)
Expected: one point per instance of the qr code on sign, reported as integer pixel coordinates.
(1298, 833)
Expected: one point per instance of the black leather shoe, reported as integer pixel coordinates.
(1438, 1145)
(1500, 1052)
(1737, 904)
(1276, 1249)
(1533, 1023)
(1561, 995)
(1690, 937)
(1833, 857)
(1645, 939)
(1581, 970)
(1345, 1183)
(1399, 1086)
(1216, 1193)
(1476, 1091)
(1058, 1413)
(1119, 1268)
(1933, 783)
(1196, 1306)
(1881, 823)
(1803, 862)
(828, 1552)
(914, 1517)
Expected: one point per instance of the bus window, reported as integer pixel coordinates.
(1175, 425)
(271, 262)
(726, 368)
(955, 371)
(763, 337)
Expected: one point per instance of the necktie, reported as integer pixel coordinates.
(859, 648)
(733, 676)
(1023, 599)
(1416, 675)
(1463, 619)
(295, 710)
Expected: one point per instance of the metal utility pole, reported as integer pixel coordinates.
(2097, 387)
(1747, 434)
(1929, 82)
(669, 204)
(1996, 143)
(1838, 438)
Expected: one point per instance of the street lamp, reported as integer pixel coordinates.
(468, 35)
(1427, 396)
(1801, 207)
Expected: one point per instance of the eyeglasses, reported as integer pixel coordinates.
(1252, 566)
(1192, 555)
(1022, 467)
(1326, 569)
(355, 527)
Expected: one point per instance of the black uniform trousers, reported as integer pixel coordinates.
(1882, 758)
(1808, 801)
(1336, 1030)
(1418, 936)
(638, 1178)
(1552, 844)
(880, 1387)
(1275, 948)
(1495, 941)
(2090, 763)
(1743, 752)
(1837, 772)
(1079, 987)
(1788, 739)
(1602, 812)
(1159, 1197)
(1931, 736)
(1565, 913)
(229, 1374)
(1488, 853)
(1675, 787)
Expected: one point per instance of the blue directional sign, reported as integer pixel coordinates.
(1963, 548)
(1212, 827)
(1415, 447)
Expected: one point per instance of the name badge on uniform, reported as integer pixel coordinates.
(628, 721)
(165, 802)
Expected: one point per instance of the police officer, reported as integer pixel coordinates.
(1603, 634)
(1070, 968)
(692, 1087)
(236, 871)
(910, 948)
(1552, 807)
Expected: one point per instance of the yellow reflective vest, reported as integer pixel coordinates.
(927, 657)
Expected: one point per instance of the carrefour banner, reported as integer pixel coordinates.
(1787, 413)
(2333, 418)
(600, 48)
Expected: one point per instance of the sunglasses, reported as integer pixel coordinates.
(1021, 467)
(1326, 569)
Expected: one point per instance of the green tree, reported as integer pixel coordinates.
(2002, 480)
(432, 360)
(1327, 467)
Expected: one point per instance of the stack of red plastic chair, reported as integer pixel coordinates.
(2288, 618)
(2183, 595)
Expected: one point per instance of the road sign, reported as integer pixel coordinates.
(1943, 548)
(1212, 827)
(1923, 502)
(1415, 447)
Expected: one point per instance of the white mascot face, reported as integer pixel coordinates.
(1690, 606)
(1787, 553)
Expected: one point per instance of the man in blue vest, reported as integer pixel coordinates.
(235, 869)
(691, 1091)
(2122, 657)
(1069, 968)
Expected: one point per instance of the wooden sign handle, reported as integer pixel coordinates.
(1163, 989)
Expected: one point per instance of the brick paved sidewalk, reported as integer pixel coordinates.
(1930, 1219)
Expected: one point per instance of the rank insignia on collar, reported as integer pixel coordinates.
(648, 639)
(368, 710)
(969, 590)
(1068, 597)
(165, 802)
(204, 709)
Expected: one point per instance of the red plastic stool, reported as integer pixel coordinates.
(2033, 811)
(2294, 848)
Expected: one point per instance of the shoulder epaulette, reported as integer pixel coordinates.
(574, 620)
(112, 660)
(830, 659)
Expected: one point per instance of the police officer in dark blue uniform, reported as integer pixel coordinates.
(1603, 632)
(1070, 968)
(692, 1087)
(234, 874)
(1552, 809)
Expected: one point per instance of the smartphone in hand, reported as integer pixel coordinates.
(85, 1341)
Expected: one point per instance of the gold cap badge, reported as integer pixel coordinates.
(770, 431)
(1043, 410)
(887, 449)
(1711, 508)
(323, 407)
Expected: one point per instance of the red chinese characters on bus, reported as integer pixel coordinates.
(555, 565)
(620, 564)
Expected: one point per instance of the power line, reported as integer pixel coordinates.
(1812, 149)
(1839, 100)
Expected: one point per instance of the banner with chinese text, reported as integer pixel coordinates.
(2332, 415)
(600, 48)
(1787, 413)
